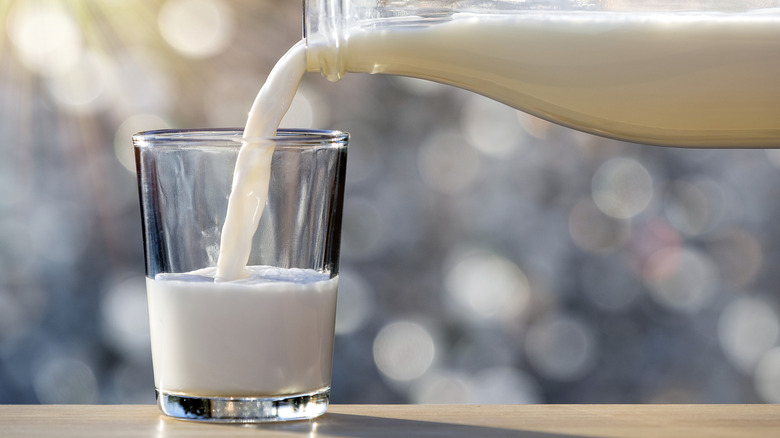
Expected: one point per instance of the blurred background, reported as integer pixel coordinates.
(488, 256)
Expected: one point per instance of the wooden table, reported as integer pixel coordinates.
(528, 421)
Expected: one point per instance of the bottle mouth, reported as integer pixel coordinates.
(323, 30)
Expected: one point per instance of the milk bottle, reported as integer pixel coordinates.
(655, 72)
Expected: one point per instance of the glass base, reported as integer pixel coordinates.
(244, 409)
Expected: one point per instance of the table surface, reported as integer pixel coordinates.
(531, 421)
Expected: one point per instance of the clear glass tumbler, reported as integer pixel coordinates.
(258, 348)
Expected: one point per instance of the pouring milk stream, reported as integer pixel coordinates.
(253, 168)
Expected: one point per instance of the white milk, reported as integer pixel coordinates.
(253, 168)
(267, 335)
(681, 79)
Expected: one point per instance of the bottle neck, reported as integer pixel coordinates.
(323, 30)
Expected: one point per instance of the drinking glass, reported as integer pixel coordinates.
(243, 350)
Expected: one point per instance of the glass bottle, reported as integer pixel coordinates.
(673, 73)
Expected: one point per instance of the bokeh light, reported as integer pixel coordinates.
(125, 319)
(504, 385)
(593, 231)
(738, 255)
(64, 380)
(680, 279)
(355, 303)
(767, 377)
(85, 87)
(694, 207)
(47, 39)
(491, 127)
(129, 127)
(487, 287)
(622, 188)
(561, 348)
(442, 387)
(197, 28)
(404, 350)
(748, 329)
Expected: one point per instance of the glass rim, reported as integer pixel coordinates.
(284, 138)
